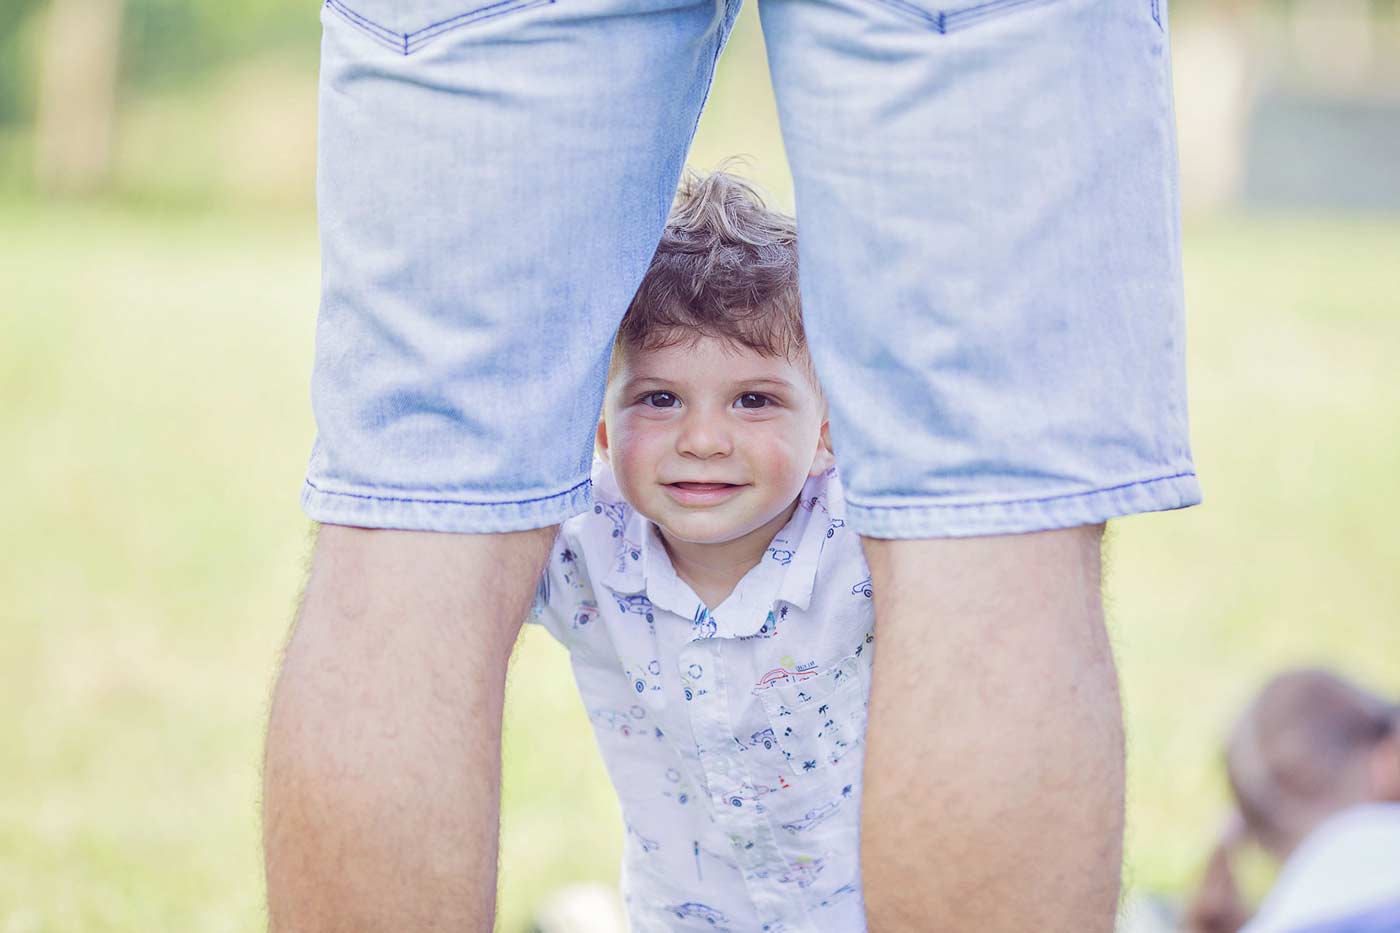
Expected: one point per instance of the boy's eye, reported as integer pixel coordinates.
(753, 400)
(660, 399)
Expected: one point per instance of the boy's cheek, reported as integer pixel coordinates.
(631, 441)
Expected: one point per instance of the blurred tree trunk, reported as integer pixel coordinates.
(1336, 41)
(1217, 51)
(75, 121)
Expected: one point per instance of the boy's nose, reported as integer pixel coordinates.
(704, 437)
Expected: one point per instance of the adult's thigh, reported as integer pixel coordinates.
(990, 253)
(492, 182)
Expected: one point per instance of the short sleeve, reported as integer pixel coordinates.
(563, 598)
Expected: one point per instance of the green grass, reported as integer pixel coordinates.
(154, 424)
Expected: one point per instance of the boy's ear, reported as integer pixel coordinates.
(600, 441)
(824, 459)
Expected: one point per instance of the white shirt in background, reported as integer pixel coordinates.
(1344, 877)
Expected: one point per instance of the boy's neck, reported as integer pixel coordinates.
(713, 570)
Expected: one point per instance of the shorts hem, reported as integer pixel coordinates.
(1020, 516)
(421, 513)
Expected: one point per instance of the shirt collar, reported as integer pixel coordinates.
(785, 574)
(821, 511)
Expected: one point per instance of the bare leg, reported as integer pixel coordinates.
(382, 773)
(993, 796)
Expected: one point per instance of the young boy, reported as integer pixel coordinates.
(716, 608)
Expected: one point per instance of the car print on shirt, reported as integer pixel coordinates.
(625, 724)
(615, 512)
(862, 588)
(803, 871)
(751, 793)
(781, 555)
(692, 910)
(587, 612)
(812, 502)
(813, 817)
(763, 737)
(781, 675)
(835, 523)
(638, 605)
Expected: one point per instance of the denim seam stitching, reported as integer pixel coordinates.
(356, 495)
(980, 10)
(407, 42)
(945, 21)
(999, 502)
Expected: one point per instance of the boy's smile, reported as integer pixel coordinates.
(713, 442)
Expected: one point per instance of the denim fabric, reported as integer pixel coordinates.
(988, 231)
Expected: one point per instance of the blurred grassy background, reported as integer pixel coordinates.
(154, 420)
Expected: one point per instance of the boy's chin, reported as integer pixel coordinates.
(697, 529)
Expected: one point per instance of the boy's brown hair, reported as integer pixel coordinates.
(726, 267)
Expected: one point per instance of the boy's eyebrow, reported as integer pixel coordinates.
(775, 382)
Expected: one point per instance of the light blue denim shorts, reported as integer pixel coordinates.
(989, 243)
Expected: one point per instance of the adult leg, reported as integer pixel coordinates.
(382, 769)
(491, 184)
(986, 195)
(994, 760)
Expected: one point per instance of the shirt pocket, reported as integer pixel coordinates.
(950, 18)
(819, 720)
(406, 27)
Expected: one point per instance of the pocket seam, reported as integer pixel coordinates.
(406, 43)
(769, 703)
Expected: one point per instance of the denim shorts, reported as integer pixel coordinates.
(989, 245)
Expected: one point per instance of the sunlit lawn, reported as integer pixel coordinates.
(154, 425)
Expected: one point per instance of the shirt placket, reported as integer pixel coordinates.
(735, 799)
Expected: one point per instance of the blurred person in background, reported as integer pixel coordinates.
(1314, 769)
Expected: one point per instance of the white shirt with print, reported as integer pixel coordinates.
(733, 736)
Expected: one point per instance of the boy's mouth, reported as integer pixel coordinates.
(701, 494)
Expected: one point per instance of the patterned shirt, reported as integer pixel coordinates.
(733, 735)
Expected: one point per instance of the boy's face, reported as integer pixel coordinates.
(712, 442)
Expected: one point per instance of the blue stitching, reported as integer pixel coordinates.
(952, 17)
(902, 5)
(356, 495)
(1157, 14)
(407, 42)
(421, 35)
(359, 20)
(979, 505)
(944, 21)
